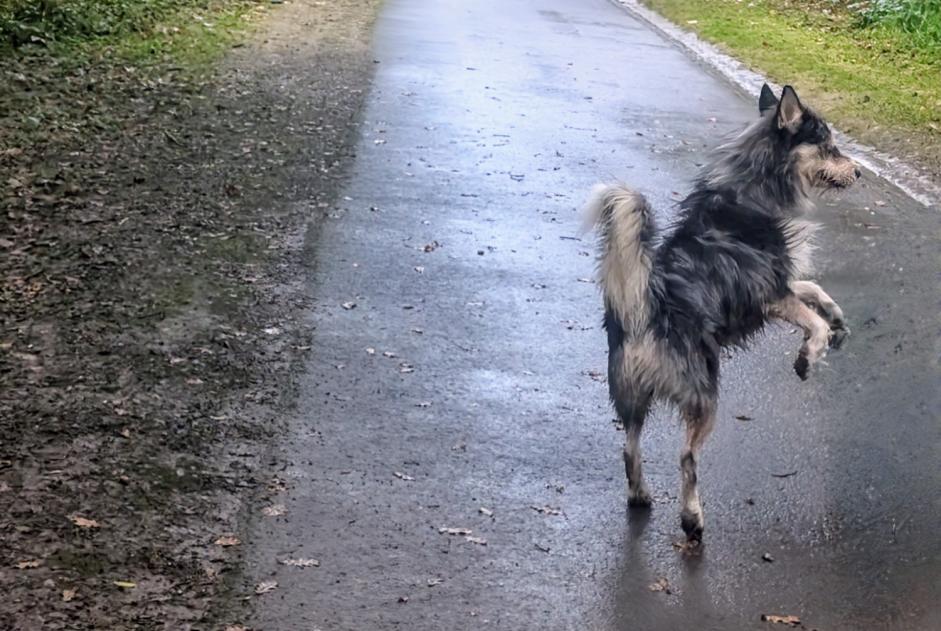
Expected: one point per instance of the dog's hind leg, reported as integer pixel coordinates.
(632, 412)
(700, 419)
(816, 332)
(813, 295)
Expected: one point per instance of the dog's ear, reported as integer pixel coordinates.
(790, 110)
(767, 101)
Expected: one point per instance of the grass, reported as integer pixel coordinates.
(874, 68)
(190, 33)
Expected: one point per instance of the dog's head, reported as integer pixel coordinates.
(811, 152)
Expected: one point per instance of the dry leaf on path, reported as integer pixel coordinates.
(275, 510)
(265, 586)
(455, 531)
(486, 512)
(227, 540)
(125, 584)
(661, 585)
(405, 367)
(435, 581)
(389, 354)
(478, 540)
(370, 350)
(301, 562)
(776, 619)
(348, 305)
(25, 565)
(547, 510)
(68, 594)
(402, 476)
(82, 522)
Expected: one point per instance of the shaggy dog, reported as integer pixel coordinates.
(734, 261)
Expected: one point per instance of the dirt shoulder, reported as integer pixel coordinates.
(152, 267)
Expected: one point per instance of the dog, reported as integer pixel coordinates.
(736, 259)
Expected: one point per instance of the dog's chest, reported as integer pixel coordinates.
(800, 246)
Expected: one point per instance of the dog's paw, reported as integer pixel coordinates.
(639, 499)
(802, 366)
(838, 335)
(692, 525)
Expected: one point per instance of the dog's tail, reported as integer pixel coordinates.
(626, 228)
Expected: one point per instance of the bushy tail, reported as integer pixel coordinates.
(626, 228)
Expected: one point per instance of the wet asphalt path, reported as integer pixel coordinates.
(488, 123)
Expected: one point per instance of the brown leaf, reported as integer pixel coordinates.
(25, 565)
(82, 522)
(227, 540)
(275, 510)
(547, 510)
(68, 594)
(661, 585)
(454, 531)
(265, 586)
(301, 562)
(776, 619)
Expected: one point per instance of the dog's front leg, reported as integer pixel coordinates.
(813, 295)
(816, 332)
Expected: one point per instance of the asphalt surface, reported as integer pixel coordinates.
(488, 123)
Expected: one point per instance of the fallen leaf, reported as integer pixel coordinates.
(405, 368)
(271, 330)
(418, 331)
(370, 350)
(478, 540)
(775, 619)
(275, 510)
(455, 531)
(402, 476)
(82, 522)
(194, 381)
(227, 540)
(435, 581)
(542, 548)
(787, 474)
(420, 269)
(389, 354)
(767, 558)
(125, 584)
(547, 510)
(301, 562)
(68, 594)
(403, 599)
(25, 565)
(585, 280)
(348, 305)
(486, 512)
(265, 586)
(744, 417)
(661, 585)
